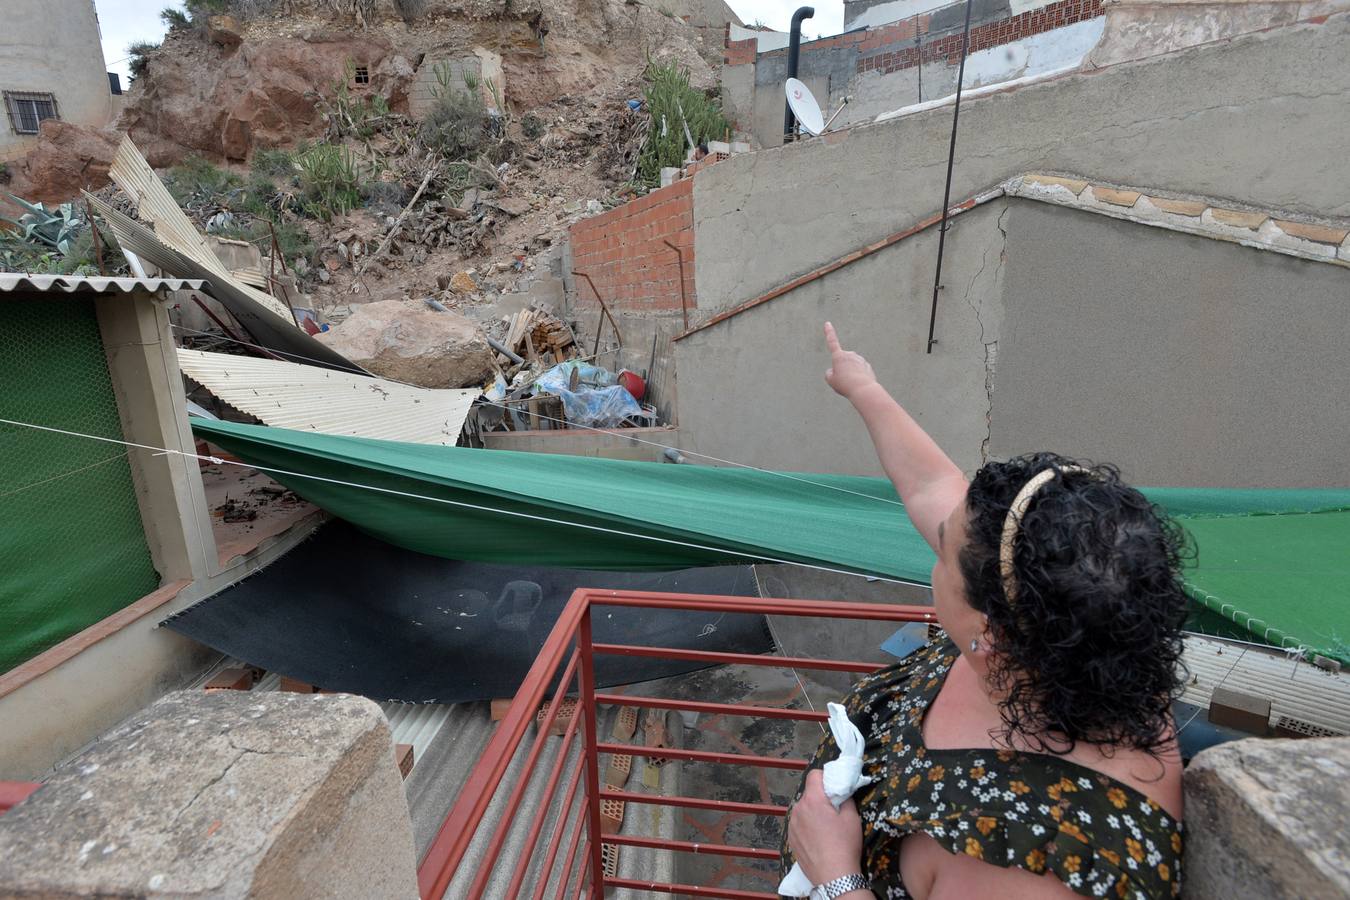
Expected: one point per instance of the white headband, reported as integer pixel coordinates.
(1014, 521)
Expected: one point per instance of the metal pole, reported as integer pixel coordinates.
(947, 191)
(794, 51)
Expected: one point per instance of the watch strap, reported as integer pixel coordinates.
(842, 885)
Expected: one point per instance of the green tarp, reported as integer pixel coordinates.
(1277, 563)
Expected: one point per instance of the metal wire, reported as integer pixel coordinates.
(788, 475)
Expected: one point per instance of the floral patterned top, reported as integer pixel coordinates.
(1034, 811)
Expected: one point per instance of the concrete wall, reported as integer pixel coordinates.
(752, 388)
(631, 443)
(1266, 818)
(221, 794)
(1184, 360)
(889, 66)
(53, 46)
(1235, 119)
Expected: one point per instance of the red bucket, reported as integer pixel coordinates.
(633, 383)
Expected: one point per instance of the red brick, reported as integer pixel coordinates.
(237, 679)
(403, 753)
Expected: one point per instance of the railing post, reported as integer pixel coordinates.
(586, 690)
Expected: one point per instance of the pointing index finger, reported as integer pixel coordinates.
(831, 339)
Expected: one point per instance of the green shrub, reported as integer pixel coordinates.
(329, 182)
(173, 18)
(674, 103)
(199, 178)
(455, 126)
(532, 126)
(139, 55)
(273, 163)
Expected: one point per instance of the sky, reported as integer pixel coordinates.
(777, 14)
(125, 21)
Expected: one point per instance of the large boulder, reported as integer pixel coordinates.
(408, 341)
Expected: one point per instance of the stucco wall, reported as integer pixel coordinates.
(1260, 118)
(52, 46)
(1184, 360)
(752, 388)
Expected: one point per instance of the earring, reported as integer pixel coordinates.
(974, 645)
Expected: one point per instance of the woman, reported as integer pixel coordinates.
(1029, 752)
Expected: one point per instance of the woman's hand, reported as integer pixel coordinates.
(849, 373)
(827, 843)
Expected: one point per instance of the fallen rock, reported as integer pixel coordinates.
(463, 283)
(512, 206)
(408, 341)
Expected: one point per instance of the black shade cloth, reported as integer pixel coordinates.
(350, 613)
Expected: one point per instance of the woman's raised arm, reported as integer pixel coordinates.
(926, 479)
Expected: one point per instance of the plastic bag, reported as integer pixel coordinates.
(597, 401)
(840, 778)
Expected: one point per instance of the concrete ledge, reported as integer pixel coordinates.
(1266, 818)
(222, 795)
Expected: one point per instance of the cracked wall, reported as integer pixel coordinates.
(1184, 360)
(752, 388)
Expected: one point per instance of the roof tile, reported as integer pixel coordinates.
(1238, 218)
(1322, 234)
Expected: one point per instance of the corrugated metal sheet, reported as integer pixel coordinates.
(1296, 689)
(263, 325)
(411, 723)
(72, 284)
(307, 398)
(154, 204)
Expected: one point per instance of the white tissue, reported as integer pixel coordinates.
(840, 778)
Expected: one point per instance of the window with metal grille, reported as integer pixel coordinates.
(361, 75)
(27, 110)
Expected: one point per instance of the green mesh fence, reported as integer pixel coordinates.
(72, 546)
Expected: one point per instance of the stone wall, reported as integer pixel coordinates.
(1266, 818)
(221, 794)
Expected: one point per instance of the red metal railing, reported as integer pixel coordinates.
(449, 849)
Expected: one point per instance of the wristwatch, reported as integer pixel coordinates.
(842, 885)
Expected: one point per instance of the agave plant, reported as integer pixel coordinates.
(57, 228)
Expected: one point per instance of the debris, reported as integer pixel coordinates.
(236, 511)
(463, 283)
(589, 395)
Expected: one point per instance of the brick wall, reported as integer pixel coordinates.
(624, 253)
(890, 48)
(892, 53)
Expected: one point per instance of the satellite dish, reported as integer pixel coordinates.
(804, 107)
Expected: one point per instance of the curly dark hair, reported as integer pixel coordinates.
(1091, 649)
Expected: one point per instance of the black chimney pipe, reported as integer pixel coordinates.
(794, 49)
